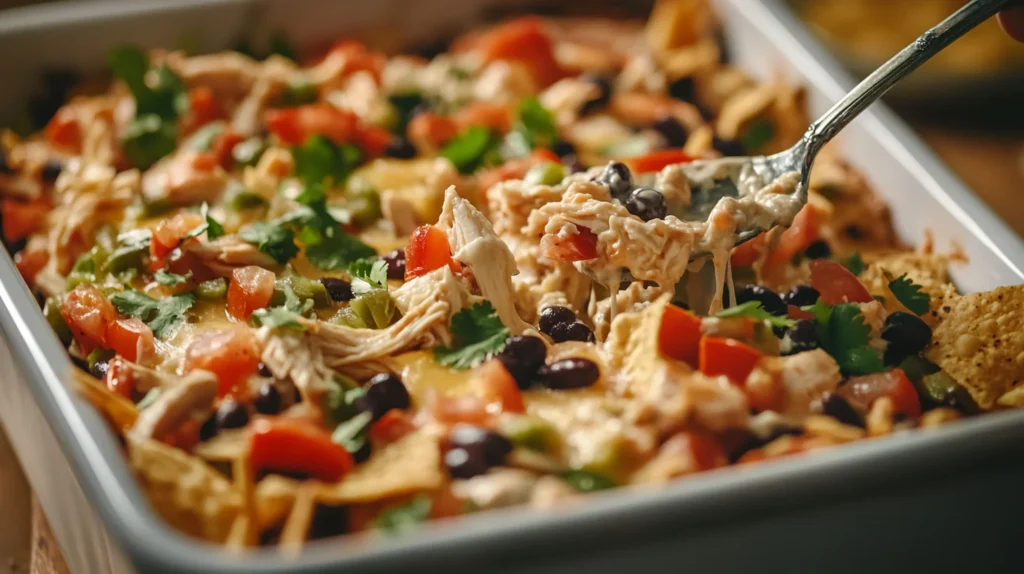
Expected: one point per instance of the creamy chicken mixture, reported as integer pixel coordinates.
(354, 291)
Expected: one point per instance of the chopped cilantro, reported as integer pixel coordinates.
(352, 434)
(339, 402)
(368, 273)
(586, 481)
(467, 150)
(405, 517)
(149, 138)
(754, 310)
(909, 294)
(844, 334)
(276, 318)
(133, 247)
(758, 133)
(165, 277)
(209, 226)
(478, 332)
(152, 134)
(162, 315)
(319, 160)
(337, 251)
(274, 240)
(854, 263)
(536, 123)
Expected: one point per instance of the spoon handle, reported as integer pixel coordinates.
(907, 60)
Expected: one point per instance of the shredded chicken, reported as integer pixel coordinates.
(475, 244)
(224, 254)
(194, 393)
(805, 378)
(296, 357)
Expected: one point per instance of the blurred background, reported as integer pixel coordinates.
(968, 104)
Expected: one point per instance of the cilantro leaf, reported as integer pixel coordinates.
(165, 277)
(368, 273)
(860, 361)
(337, 251)
(537, 123)
(467, 150)
(318, 160)
(478, 332)
(405, 517)
(854, 263)
(213, 228)
(352, 434)
(274, 240)
(152, 133)
(754, 310)
(277, 318)
(149, 138)
(132, 249)
(910, 295)
(844, 334)
(847, 328)
(162, 315)
(758, 133)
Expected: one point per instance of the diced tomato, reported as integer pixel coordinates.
(231, 354)
(656, 161)
(297, 446)
(579, 247)
(722, 356)
(453, 410)
(130, 338)
(204, 107)
(394, 425)
(516, 168)
(862, 391)
(806, 229)
(702, 449)
(358, 58)
(87, 312)
(295, 125)
(444, 504)
(223, 145)
(63, 130)
(428, 249)
(679, 335)
(525, 40)
(20, 219)
(30, 262)
(795, 312)
(167, 236)
(120, 378)
(204, 161)
(373, 140)
(837, 284)
(430, 130)
(251, 288)
(497, 387)
(497, 117)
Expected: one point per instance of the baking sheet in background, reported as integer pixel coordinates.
(890, 484)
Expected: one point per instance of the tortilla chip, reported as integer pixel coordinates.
(187, 492)
(1012, 398)
(980, 342)
(274, 497)
(121, 412)
(411, 464)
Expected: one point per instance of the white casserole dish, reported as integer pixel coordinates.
(804, 507)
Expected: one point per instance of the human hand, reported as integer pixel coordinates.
(1012, 20)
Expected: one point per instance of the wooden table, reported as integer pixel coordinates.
(992, 166)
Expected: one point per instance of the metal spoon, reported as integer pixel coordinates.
(707, 190)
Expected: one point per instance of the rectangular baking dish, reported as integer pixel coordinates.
(888, 504)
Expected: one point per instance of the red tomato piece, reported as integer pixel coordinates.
(87, 312)
(20, 219)
(430, 130)
(864, 390)
(297, 446)
(251, 288)
(806, 229)
(30, 262)
(679, 335)
(130, 338)
(120, 378)
(394, 425)
(497, 117)
(453, 410)
(579, 247)
(656, 161)
(795, 312)
(294, 125)
(526, 41)
(498, 388)
(167, 236)
(63, 130)
(231, 354)
(837, 284)
(428, 249)
(204, 106)
(373, 140)
(721, 356)
(223, 145)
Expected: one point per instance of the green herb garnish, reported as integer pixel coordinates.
(754, 310)
(319, 161)
(368, 273)
(586, 481)
(909, 294)
(165, 277)
(467, 150)
(275, 240)
(405, 517)
(162, 315)
(478, 332)
(536, 123)
(854, 263)
(844, 334)
(758, 133)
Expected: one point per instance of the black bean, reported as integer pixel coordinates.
(209, 429)
(769, 300)
(383, 393)
(552, 316)
(728, 148)
(264, 370)
(683, 89)
(803, 336)
(328, 521)
(338, 289)
(837, 407)
(522, 356)
(575, 331)
(674, 132)
(232, 414)
(618, 178)
(99, 369)
(681, 304)
(5, 168)
(396, 263)
(268, 401)
(491, 445)
(906, 332)
(574, 373)
(51, 169)
(604, 86)
(362, 454)
(463, 463)
(400, 148)
(801, 295)
(818, 250)
(647, 204)
(563, 148)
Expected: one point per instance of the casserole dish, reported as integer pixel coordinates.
(655, 518)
